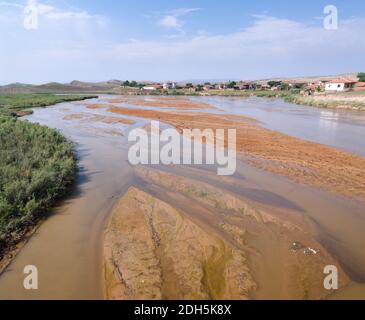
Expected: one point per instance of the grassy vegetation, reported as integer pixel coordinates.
(37, 167)
(339, 103)
(17, 104)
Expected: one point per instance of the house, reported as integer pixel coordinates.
(208, 87)
(169, 85)
(265, 87)
(360, 86)
(152, 87)
(338, 85)
(247, 86)
(311, 88)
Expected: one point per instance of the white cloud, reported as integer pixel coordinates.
(183, 11)
(269, 47)
(173, 20)
(170, 22)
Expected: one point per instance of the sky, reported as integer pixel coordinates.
(160, 40)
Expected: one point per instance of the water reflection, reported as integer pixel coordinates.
(328, 121)
(343, 129)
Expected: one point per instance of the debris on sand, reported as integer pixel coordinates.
(310, 251)
(296, 245)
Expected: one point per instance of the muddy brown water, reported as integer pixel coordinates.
(67, 247)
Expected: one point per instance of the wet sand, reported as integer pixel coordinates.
(89, 117)
(167, 102)
(240, 229)
(306, 162)
(259, 236)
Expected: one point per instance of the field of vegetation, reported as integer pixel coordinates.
(37, 166)
(18, 104)
(334, 101)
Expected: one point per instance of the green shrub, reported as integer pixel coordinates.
(12, 103)
(37, 167)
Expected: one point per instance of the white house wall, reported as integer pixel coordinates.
(335, 87)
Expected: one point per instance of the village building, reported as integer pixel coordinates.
(265, 87)
(360, 86)
(152, 87)
(208, 87)
(169, 85)
(247, 86)
(339, 85)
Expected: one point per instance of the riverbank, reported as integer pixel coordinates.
(341, 101)
(20, 104)
(37, 168)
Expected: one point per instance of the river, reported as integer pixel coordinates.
(67, 247)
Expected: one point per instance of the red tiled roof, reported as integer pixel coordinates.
(342, 80)
(360, 84)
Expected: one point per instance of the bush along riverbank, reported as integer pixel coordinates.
(37, 167)
(20, 104)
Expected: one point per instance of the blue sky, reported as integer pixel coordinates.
(178, 40)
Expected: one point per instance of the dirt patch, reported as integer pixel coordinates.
(150, 128)
(341, 97)
(165, 102)
(302, 161)
(152, 251)
(98, 118)
(23, 113)
(118, 100)
(172, 98)
(96, 106)
(75, 117)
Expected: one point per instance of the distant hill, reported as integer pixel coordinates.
(73, 87)
(352, 76)
(304, 79)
